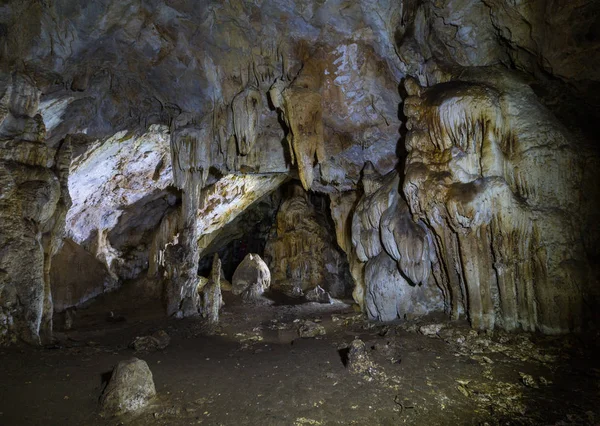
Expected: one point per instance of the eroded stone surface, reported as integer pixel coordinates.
(497, 180)
(251, 278)
(130, 389)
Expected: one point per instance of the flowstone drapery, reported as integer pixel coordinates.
(497, 181)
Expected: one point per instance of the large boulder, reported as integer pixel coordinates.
(130, 388)
(251, 278)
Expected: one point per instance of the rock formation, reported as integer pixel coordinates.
(497, 180)
(397, 274)
(301, 251)
(211, 293)
(33, 203)
(251, 278)
(164, 123)
(130, 389)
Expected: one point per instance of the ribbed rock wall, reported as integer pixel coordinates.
(33, 203)
(498, 182)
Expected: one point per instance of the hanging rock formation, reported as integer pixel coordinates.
(497, 181)
(397, 273)
(301, 251)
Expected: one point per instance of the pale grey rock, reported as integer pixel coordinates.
(251, 278)
(130, 389)
(396, 253)
(211, 293)
(431, 330)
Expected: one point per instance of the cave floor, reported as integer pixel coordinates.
(253, 369)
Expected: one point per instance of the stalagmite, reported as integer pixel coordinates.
(190, 149)
(211, 293)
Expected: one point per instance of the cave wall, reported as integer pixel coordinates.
(498, 180)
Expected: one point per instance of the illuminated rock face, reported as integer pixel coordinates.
(498, 183)
(251, 278)
(396, 253)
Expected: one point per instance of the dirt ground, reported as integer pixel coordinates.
(254, 369)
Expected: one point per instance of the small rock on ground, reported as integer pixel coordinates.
(311, 329)
(131, 387)
(158, 340)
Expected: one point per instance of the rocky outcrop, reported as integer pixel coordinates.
(497, 181)
(251, 278)
(130, 389)
(33, 204)
(301, 251)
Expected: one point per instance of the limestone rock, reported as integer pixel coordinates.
(251, 278)
(319, 295)
(130, 389)
(33, 202)
(311, 329)
(502, 201)
(301, 251)
(389, 295)
(157, 341)
(360, 362)
(396, 253)
(431, 330)
(211, 293)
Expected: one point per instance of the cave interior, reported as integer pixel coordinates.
(309, 212)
